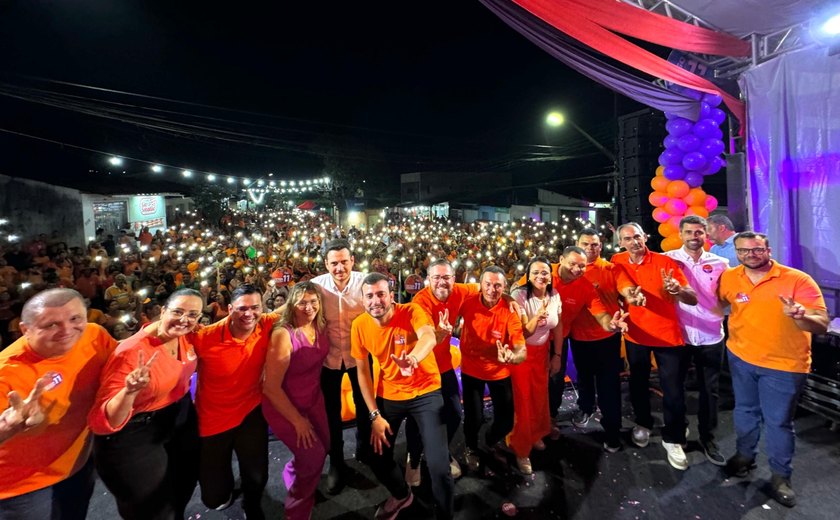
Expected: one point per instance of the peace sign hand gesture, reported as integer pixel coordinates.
(617, 323)
(636, 297)
(791, 308)
(407, 363)
(503, 353)
(25, 412)
(669, 283)
(443, 322)
(139, 378)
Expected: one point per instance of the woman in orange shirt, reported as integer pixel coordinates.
(145, 426)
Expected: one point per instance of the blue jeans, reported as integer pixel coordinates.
(65, 500)
(768, 396)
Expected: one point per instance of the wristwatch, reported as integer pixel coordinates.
(373, 415)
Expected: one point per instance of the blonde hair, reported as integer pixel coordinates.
(299, 290)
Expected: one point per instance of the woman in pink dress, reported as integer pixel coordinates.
(293, 403)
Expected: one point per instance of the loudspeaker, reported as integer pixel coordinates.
(640, 136)
(736, 187)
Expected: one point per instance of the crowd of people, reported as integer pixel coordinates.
(284, 299)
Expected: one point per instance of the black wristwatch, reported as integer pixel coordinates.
(373, 415)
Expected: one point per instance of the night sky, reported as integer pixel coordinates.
(402, 86)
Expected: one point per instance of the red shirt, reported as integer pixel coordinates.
(432, 307)
(577, 295)
(655, 324)
(585, 327)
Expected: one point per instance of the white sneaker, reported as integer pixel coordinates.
(524, 464)
(454, 468)
(412, 475)
(676, 455)
(641, 436)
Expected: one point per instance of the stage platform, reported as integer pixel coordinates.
(575, 479)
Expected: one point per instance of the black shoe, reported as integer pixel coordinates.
(739, 466)
(712, 452)
(581, 418)
(782, 492)
(335, 478)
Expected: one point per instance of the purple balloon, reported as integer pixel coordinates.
(671, 156)
(705, 110)
(714, 166)
(705, 128)
(694, 161)
(678, 126)
(711, 147)
(712, 99)
(717, 115)
(674, 172)
(693, 179)
(670, 115)
(670, 141)
(717, 134)
(688, 142)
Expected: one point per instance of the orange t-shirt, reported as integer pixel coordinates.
(169, 378)
(432, 306)
(577, 295)
(482, 328)
(60, 446)
(655, 324)
(230, 372)
(585, 327)
(759, 333)
(398, 336)
(96, 316)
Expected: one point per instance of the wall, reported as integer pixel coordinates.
(34, 207)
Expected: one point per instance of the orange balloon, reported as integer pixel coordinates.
(678, 189)
(671, 242)
(700, 211)
(659, 184)
(695, 197)
(667, 229)
(658, 199)
(660, 171)
(660, 215)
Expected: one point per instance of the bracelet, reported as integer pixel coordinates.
(373, 415)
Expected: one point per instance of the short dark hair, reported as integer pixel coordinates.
(752, 234)
(374, 278)
(243, 290)
(573, 249)
(692, 219)
(440, 261)
(337, 245)
(589, 231)
(493, 269)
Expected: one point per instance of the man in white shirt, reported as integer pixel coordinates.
(342, 293)
(702, 325)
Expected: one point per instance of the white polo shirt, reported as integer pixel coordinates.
(340, 309)
(701, 324)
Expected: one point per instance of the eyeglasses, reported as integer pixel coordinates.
(246, 308)
(312, 303)
(444, 277)
(754, 250)
(180, 313)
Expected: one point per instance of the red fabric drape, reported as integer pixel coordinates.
(573, 20)
(656, 28)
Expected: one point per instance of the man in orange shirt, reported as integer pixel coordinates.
(491, 339)
(441, 300)
(652, 283)
(400, 338)
(775, 309)
(597, 352)
(45, 442)
(231, 355)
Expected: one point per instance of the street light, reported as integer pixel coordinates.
(556, 119)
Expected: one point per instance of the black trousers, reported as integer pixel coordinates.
(672, 363)
(501, 394)
(151, 465)
(426, 411)
(599, 367)
(331, 386)
(557, 382)
(707, 364)
(452, 414)
(250, 442)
